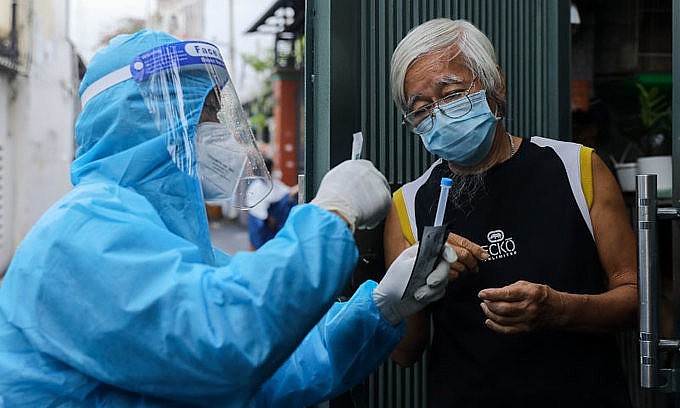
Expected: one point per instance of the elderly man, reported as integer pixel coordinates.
(546, 272)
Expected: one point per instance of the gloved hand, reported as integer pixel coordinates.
(357, 191)
(388, 294)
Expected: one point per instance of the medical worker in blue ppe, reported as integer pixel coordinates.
(116, 297)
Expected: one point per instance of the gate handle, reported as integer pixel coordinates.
(646, 208)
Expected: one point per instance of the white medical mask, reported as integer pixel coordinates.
(220, 161)
(465, 140)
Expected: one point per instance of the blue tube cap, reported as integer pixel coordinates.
(446, 182)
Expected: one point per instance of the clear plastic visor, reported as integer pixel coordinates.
(187, 89)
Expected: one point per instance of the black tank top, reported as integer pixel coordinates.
(531, 219)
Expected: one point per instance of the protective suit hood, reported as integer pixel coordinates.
(118, 140)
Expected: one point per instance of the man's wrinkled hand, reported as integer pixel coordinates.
(521, 307)
(468, 255)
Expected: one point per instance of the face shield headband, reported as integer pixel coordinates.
(186, 82)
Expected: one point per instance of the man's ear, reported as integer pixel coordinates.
(500, 73)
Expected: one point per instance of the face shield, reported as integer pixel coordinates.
(187, 89)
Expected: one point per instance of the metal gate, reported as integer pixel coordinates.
(348, 49)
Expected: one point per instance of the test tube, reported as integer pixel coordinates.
(443, 195)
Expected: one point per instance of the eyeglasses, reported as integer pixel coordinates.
(421, 120)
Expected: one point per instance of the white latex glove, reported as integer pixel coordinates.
(388, 294)
(357, 191)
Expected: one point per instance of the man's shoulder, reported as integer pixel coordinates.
(424, 177)
(553, 143)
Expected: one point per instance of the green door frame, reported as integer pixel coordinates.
(332, 109)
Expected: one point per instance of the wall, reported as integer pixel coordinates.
(38, 105)
(6, 175)
(181, 18)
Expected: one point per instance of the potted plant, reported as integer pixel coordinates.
(655, 140)
(655, 117)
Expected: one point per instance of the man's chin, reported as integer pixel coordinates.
(460, 170)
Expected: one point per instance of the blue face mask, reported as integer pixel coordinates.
(466, 140)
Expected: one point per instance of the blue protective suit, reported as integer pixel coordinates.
(116, 297)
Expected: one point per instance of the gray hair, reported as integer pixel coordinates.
(443, 34)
